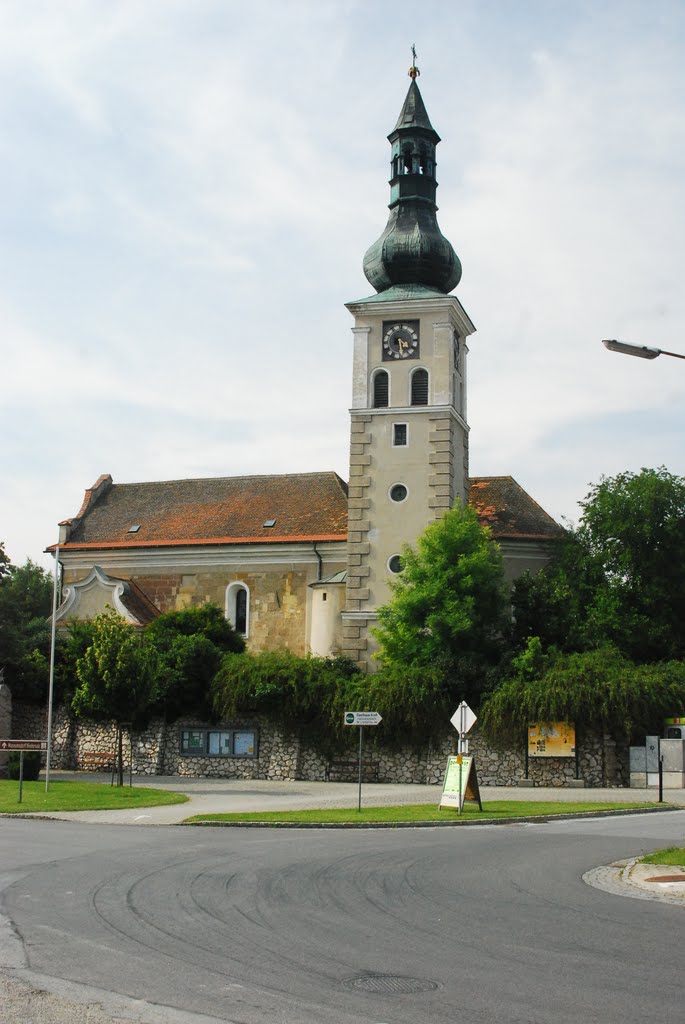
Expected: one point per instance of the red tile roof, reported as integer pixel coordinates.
(509, 511)
(233, 510)
(218, 510)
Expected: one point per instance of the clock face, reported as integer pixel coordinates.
(401, 340)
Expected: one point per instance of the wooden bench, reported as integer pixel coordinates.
(350, 771)
(98, 760)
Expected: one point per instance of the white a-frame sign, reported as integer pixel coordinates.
(460, 785)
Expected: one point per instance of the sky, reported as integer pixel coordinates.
(189, 186)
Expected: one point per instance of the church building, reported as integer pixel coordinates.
(303, 561)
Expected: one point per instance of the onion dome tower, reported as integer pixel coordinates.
(413, 250)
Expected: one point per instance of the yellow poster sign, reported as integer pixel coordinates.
(552, 739)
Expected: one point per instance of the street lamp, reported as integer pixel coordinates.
(641, 351)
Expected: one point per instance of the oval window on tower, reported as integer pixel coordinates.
(398, 492)
(395, 563)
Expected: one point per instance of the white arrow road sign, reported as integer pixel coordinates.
(362, 718)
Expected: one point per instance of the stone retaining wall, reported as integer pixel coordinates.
(156, 751)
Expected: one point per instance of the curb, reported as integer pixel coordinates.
(531, 820)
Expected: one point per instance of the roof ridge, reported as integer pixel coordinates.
(245, 476)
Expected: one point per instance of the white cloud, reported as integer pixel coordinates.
(190, 189)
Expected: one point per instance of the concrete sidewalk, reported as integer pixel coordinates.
(217, 796)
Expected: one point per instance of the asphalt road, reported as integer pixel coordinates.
(485, 924)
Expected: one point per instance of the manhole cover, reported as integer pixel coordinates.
(391, 984)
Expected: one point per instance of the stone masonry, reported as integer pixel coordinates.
(156, 751)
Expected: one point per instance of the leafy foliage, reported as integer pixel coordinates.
(117, 674)
(296, 693)
(600, 690)
(25, 605)
(446, 618)
(31, 768)
(190, 646)
(620, 577)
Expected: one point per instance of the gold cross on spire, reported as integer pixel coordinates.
(413, 70)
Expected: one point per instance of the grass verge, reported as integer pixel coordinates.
(422, 812)
(673, 855)
(80, 796)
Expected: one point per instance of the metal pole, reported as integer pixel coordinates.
(361, 739)
(51, 683)
(661, 772)
(21, 773)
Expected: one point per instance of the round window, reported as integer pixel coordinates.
(395, 563)
(398, 492)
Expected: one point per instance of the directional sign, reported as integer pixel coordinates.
(463, 718)
(362, 718)
(23, 744)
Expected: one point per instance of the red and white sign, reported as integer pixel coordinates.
(23, 744)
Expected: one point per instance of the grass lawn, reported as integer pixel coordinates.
(423, 812)
(80, 796)
(674, 855)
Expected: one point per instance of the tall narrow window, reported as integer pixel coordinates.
(380, 390)
(238, 607)
(419, 387)
(241, 611)
(399, 435)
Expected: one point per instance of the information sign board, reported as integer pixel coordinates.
(552, 739)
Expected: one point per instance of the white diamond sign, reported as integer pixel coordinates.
(463, 718)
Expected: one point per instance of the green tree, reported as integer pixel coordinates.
(447, 614)
(25, 606)
(190, 645)
(4, 560)
(117, 676)
(600, 690)
(620, 577)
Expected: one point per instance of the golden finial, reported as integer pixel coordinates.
(413, 70)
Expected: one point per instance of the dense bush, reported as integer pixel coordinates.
(600, 690)
(32, 760)
(298, 694)
(190, 646)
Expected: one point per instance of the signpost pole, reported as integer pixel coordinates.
(361, 718)
(361, 741)
(21, 773)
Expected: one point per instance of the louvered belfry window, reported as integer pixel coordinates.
(419, 387)
(380, 390)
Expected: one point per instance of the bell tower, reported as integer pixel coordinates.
(409, 433)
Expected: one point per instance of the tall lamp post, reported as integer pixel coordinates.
(51, 683)
(641, 351)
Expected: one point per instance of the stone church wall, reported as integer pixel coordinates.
(156, 751)
(278, 599)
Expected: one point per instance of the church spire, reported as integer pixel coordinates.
(412, 250)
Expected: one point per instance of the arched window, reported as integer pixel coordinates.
(419, 387)
(238, 607)
(381, 389)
